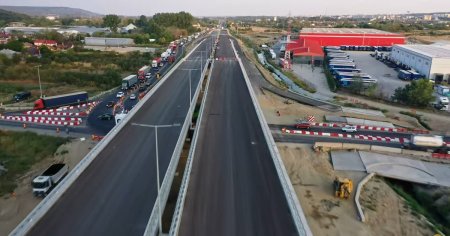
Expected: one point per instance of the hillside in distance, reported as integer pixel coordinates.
(62, 12)
(9, 16)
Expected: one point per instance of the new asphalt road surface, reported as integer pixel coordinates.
(234, 187)
(116, 193)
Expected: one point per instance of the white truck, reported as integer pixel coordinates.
(44, 183)
(427, 143)
(129, 82)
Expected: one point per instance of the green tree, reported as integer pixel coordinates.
(142, 21)
(357, 86)
(111, 21)
(15, 45)
(67, 21)
(418, 94)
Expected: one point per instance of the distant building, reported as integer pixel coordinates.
(51, 17)
(16, 24)
(128, 28)
(428, 17)
(307, 47)
(351, 37)
(45, 42)
(108, 42)
(432, 61)
(198, 26)
(4, 38)
(274, 18)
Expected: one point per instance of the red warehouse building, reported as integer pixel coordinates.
(307, 47)
(351, 37)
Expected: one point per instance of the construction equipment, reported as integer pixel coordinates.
(343, 187)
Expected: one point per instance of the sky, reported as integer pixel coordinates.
(245, 7)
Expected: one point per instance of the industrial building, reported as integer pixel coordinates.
(108, 42)
(351, 37)
(307, 48)
(432, 61)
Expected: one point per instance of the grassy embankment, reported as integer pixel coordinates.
(68, 71)
(19, 151)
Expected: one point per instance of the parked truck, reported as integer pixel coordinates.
(156, 62)
(142, 72)
(61, 100)
(443, 90)
(45, 182)
(426, 142)
(129, 82)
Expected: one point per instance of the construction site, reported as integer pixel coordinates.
(383, 196)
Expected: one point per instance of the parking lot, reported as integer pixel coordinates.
(386, 76)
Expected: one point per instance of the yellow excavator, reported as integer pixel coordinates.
(343, 187)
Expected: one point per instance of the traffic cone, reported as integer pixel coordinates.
(24, 125)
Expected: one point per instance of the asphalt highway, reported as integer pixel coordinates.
(296, 138)
(234, 187)
(359, 132)
(102, 127)
(116, 193)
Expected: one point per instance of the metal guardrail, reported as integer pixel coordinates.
(152, 225)
(39, 211)
(176, 220)
(291, 197)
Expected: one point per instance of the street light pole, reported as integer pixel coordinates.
(157, 166)
(157, 179)
(39, 77)
(190, 85)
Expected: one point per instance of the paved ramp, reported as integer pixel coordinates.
(393, 167)
(349, 161)
(362, 111)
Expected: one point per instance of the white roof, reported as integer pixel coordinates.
(433, 51)
(344, 31)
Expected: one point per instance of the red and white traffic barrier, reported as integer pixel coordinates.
(59, 110)
(365, 127)
(32, 118)
(441, 156)
(45, 120)
(349, 136)
(55, 113)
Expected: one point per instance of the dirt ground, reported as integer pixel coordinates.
(14, 208)
(289, 113)
(292, 112)
(430, 39)
(312, 177)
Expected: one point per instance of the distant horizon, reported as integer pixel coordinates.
(239, 8)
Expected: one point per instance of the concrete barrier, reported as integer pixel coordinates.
(361, 147)
(153, 222)
(358, 193)
(294, 205)
(376, 148)
(416, 153)
(178, 212)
